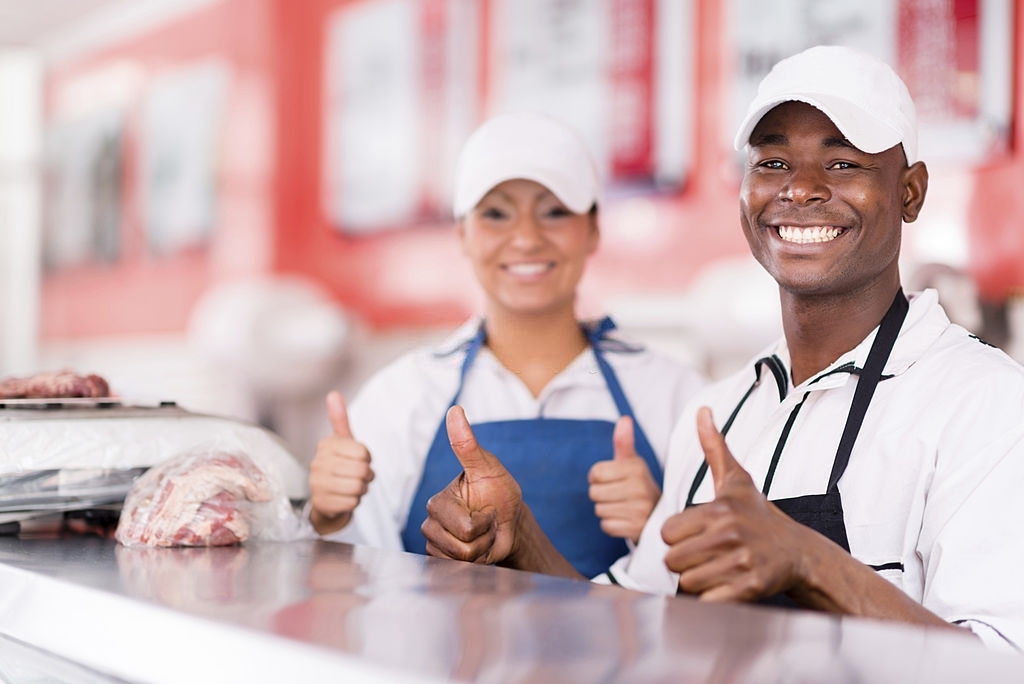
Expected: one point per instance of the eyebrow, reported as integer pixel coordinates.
(778, 139)
(540, 194)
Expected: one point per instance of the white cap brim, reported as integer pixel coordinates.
(864, 132)
(862, 95)
(526, 146)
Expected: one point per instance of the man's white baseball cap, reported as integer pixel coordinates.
(862, 95)
(531, 146)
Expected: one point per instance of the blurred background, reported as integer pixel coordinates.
(241, 204)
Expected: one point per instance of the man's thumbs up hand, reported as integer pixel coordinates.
(623, 490)
(738, 546)
(726, 471)
(340, 472)
(475, 517)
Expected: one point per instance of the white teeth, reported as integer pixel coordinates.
(530, 269)
(812, 234)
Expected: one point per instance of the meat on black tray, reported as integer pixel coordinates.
(64, 384)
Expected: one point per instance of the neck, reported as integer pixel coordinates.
(821, 329)
(536, 347)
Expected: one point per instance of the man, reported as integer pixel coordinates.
(869, 463)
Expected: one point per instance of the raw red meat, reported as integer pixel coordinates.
(197, 499)
(56, 385)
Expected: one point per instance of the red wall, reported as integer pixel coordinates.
(996, 211)
(698, 225)
(280, 42)
(143, 292)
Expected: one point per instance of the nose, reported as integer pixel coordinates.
(526, 232)
(805, 184)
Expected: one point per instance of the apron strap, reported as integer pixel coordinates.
(881, 348)
(884, 342)
(472, 349)
(781, 379)
(594, 334)
(640, 442)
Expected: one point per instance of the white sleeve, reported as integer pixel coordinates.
(395, 416)
(971, 542)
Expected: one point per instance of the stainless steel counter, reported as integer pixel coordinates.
(309, 611)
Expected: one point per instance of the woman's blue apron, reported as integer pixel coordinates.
(550, 458)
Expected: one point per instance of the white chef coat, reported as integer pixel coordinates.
(933, 482)
(398, 411)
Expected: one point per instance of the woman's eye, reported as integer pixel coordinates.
(557, 212)
(492, 213)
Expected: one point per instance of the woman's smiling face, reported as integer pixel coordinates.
(527, 249)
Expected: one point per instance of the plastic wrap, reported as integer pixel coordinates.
(208, 496)
(37, 492)
(124, 438)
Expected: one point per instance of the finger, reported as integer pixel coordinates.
(621, 528)
(624, 522)
(357, 484)
(469, 540)
(349, 469)
(476, 461)
(336, 504)
(452, 549)
(725, 577)
(615, 490)
(685, 524)
(716, 452)
(692, 550)
(338, 415)
(622, 439)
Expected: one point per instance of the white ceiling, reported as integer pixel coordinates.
(29, 23)
(58, 29)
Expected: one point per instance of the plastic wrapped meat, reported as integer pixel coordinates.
(196, 499)
(63, 384)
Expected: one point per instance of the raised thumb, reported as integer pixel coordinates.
(476, 461)
(716, 452)
(338, 415)
(623, 441)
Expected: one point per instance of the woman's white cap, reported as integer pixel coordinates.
(531, 146)
(861, 94)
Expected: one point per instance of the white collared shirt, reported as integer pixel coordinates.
(933, 484)
(398, 411)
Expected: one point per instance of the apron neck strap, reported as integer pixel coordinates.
(870, 375)
(595, 333)
(867, 381)
(472, 350)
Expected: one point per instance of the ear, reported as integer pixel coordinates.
(914, 185)
(460, 231)
(595, 232)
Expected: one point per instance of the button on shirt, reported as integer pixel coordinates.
(397, 412)
(932, 492)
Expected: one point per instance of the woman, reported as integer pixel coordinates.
(545, 392)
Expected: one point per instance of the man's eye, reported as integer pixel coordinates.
(773, 164)
(843, 165)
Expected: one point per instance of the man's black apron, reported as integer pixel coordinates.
(823, 512)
